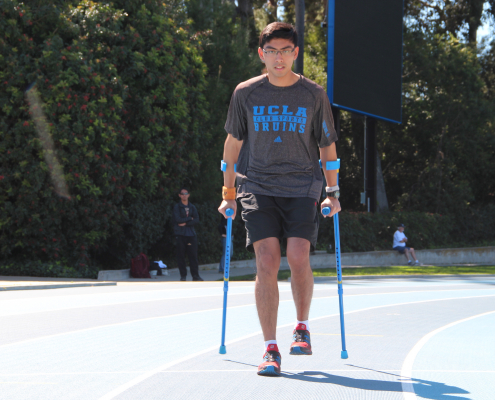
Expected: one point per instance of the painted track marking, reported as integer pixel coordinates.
(139, 379)
(407, 366)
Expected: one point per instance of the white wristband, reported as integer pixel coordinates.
(330, 189)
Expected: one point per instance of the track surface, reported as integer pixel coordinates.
(407, 339)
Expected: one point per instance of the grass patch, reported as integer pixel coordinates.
(394, 270)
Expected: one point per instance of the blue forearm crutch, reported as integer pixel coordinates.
(332, 165)
(229, 212)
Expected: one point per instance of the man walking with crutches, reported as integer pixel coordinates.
(279, 125)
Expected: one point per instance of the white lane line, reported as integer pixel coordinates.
(407, 366)
(248, 305)
(7, 310)
(189, 371)
(321, 370)
(74, 373)
(147, 375)
(338, 334)
(27, 383)
(451, 370)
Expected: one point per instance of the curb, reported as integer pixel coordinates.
(355, 277)
(57, 286)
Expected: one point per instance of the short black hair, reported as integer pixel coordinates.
(183, 188)
(278, 30)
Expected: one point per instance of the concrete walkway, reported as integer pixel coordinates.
(209, 272)
(34, 283)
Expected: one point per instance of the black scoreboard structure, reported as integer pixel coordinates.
(365, 69)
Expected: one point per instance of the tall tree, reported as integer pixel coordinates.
(462, 18)
(440, 158)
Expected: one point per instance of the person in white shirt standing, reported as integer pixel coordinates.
(400, 240)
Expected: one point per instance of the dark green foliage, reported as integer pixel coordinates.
(461, 18)
(361, 231)
(122, 92)
(136, 95)
(368, 232)
(441, 158)
(230, 60)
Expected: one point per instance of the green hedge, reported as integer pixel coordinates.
(121, 86)
(358, 232)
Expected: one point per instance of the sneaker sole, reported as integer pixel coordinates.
(269, 370)
(298, 351)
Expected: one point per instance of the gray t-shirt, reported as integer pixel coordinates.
(281, 129)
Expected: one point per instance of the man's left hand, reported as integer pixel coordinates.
(334, 205)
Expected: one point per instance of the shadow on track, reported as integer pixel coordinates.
(425, 389)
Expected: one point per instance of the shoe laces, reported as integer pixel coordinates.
(272, 356)
(301, 336)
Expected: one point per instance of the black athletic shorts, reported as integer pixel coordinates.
(280, 217)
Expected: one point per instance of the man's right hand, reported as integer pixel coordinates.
(228, 204)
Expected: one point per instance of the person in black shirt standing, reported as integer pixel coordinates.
(185, 217)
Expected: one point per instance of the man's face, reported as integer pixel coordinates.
(278, 63)
(184, 194)
(401, 229)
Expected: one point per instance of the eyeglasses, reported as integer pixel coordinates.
(273, 53)
(184, 194)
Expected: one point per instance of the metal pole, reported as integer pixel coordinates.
(226, 269)
(363, 195)
(300, 12)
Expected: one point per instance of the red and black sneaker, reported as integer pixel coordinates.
(301, 345)
(271, 362)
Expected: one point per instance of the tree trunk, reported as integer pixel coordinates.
(245, 9)
(381, 195)
(474, 22)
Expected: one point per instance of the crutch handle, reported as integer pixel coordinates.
(229, 212)
(326, 210)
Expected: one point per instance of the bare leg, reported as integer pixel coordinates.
(413, 254)
(266, 288)
(301, 275)
(406, 253)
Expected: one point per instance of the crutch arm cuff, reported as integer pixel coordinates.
(223, 166)
(333, 165)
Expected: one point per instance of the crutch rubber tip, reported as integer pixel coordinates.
(343, 354)
(223, 350)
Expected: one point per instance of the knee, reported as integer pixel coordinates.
(298, 259)
(267, 265)
(266, 260)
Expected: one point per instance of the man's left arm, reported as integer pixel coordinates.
(195, 217)
(329, 153)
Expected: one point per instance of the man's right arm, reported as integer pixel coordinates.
(396, 237)
(231, 150)
(178, 219)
